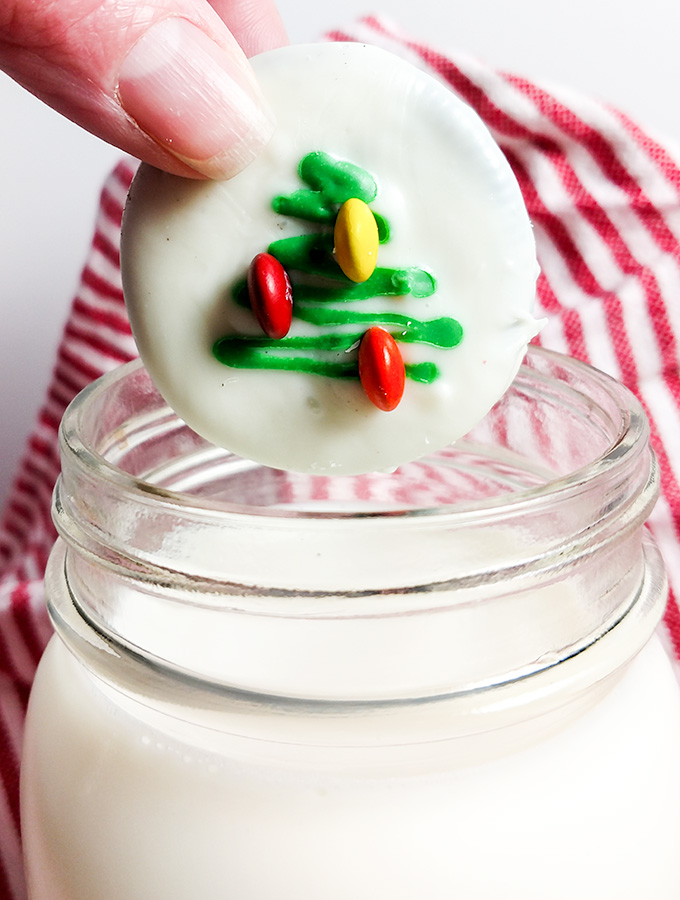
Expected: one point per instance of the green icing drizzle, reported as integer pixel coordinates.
(444, 332)
(312, 254)
(255, 353)
(383, 283)
(322, 293)
(331, 182)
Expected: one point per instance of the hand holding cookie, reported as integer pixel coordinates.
(166, 80)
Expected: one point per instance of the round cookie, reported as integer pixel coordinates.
(448, 303)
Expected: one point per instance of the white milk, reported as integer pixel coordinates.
(121, 802)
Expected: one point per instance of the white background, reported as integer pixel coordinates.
(624, 52)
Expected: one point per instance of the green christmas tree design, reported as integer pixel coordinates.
(323, 296)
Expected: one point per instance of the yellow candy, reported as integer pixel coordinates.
(356, 240)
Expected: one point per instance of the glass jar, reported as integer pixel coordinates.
(434, 683)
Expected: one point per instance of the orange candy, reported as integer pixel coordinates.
(381, 369)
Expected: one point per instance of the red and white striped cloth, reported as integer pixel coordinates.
(605, 201)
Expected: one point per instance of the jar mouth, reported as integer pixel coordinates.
(522, 541)
(562, 462)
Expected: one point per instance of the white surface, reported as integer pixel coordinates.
(623, 52)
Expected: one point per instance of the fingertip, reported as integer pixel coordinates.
(194, 97)
(256, 24)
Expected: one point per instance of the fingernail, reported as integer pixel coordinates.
(194, 98)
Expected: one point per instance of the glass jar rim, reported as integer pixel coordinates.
(629, 441)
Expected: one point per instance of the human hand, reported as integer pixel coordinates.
(164, 80)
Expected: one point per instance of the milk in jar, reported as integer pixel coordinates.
(442, 681)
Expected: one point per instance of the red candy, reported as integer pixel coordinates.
(381, 369)
(271, 295)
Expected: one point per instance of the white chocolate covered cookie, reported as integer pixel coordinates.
(360, 295)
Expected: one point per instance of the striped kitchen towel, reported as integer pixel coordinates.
(604, 198)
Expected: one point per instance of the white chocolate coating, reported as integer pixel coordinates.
(454, 209)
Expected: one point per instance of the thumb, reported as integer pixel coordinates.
(164, 80)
